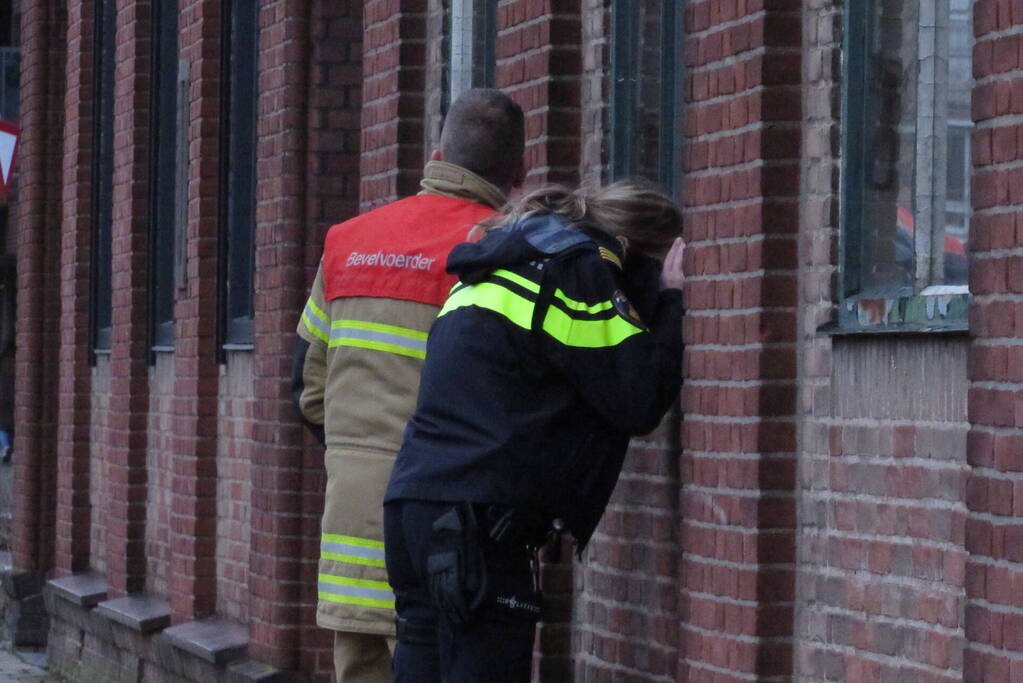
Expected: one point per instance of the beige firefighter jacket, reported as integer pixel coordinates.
(360, 380)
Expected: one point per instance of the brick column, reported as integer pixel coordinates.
(37, 216)
(994, 528)
(125, 453)
(741, 199)
(279, 280)
(192, 575)
(394, 56)
(539, 63)
(332, 195)
(74, 387)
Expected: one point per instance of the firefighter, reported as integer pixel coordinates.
(362, 340)
(562, 339)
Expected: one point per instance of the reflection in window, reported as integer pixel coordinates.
(472, 45)
(908, 145)
(644, 90)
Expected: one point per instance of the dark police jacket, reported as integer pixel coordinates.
(546, 358)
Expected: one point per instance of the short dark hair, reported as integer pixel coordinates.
(484, 132)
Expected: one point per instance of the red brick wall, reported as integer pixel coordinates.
(123, 505)
(539, 65)
(280, 274)
(234, 485)
(159, 474)
(882, 480)
(192, 572)
(73, 437)
(394, 73)
(333, 182)
(34, 231)
(738, 468)
(994, 531)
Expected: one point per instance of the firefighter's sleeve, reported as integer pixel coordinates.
(309, 368)
(629, 370)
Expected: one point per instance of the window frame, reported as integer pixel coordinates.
(883, 310)
(101, 238)
(239, 117)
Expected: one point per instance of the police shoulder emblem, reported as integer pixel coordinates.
(625, 308)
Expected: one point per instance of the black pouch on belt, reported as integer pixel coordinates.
(455, 564)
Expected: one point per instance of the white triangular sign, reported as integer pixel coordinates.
(7, 143)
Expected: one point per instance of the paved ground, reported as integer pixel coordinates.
(23, 668)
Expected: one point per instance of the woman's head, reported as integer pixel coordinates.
(634, 211)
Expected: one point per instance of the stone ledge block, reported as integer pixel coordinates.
(85, 590)
(141, 613)
(217, 641)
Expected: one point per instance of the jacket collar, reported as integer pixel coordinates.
(449, 180)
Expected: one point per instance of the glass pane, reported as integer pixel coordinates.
(915, 145)
(960, 126)
(648, 123)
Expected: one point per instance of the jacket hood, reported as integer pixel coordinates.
(530, 238)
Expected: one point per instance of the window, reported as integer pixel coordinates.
(164, 174)
(473, 38)
(102, 174)
(238, 174)
(906, 166)
(645, 65)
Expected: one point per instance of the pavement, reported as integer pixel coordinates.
(23, 667)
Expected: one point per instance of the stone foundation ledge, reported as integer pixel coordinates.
(96, 640)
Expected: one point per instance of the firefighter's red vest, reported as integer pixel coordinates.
(399, 250)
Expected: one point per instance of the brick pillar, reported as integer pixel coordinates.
(394, 56)
(539, 63)
(279, 281)
(74, 387)
(332, 181)
(741, 199)
(37, 216)
(192, 575)
(994, 531)
(125, 453)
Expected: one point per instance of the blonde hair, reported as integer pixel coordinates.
(633, 209)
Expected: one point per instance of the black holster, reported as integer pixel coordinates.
(455, 564)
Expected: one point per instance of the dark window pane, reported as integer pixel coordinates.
(644, 83)
(103, 172)
(239, 183)
(164, 169)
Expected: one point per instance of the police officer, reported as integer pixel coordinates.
(560, 341)
(361, 346)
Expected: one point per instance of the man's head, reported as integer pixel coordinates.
(484, 132)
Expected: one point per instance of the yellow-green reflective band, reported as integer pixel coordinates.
(496, 298)
(352, 550)
(316, 321)
(523, 282)
(378, 337)
(591, 334)
(352, 540)
(580, 306)
(348, 591)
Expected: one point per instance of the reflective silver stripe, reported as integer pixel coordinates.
(347, 549)
(317, 317)
(357, 592)
(340, 333)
